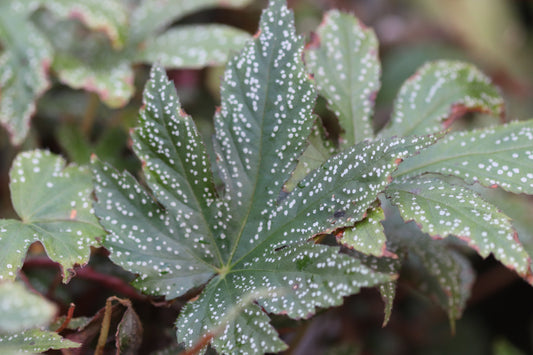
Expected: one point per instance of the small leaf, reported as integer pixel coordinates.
(53, 202)
(129, 333)
(108, 16)
(24, 65)
(343, 58)
(437, 94)
(388, 293)
(151, 16)
(22, 309)
(442, 209)
(498, 156)
(367, 236)
(193, 46)
(33, 341)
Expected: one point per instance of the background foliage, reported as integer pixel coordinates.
(96, 118)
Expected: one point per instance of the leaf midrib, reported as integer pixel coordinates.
(254, 190)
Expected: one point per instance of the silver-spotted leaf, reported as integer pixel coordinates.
(343, 58)
(24, 61)
(438, 93)
(193, 46)
(442, 209)
(497, 156)
(249, 235)
(53, 203)
(108, 16)
(367, 236)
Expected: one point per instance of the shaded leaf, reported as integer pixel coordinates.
(108, 16)
(53, 203)
(343, 58)
(24, 65)
(193, 46)
(443, 275)
(129, 333)
(22, 309)
(498, 156)
(438, 93)
(367, 236)
(442, 209)
(389, 265)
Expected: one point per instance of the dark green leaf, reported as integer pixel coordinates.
(250, 238)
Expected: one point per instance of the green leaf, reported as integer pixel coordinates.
(498, 156)
(367, 236)
(343, 58)
(24, 65)
(108, 16)
(53, 202)
(33, 341)
(442, 209)
(250, 235)
(439, 93)
(152, 16)
(193, 46)
(22, 309)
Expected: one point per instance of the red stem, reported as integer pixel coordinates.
(88, 273)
